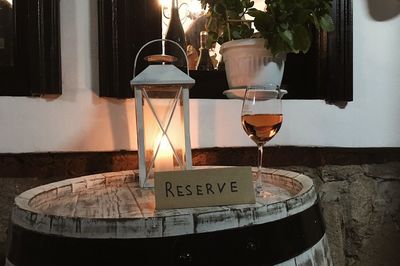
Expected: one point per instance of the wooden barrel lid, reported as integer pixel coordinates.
(112, 205)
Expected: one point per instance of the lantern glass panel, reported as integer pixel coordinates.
(164, 131)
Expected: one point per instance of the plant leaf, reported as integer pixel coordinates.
(277, 46)
(301, 39)
(219, 8)
(326, 23)
(212, 38)
(245, 31)
(247, 3)
(287, 36)
(263, 21)
(315, 20)
(253, 12)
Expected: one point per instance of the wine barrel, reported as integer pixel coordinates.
(107, 219)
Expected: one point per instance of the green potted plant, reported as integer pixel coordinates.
(256, 58)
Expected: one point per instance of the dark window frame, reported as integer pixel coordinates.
(37, 58)
(326, 72)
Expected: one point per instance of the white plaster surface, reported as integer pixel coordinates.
(79, 120)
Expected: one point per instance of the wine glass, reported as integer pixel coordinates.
(261, 120)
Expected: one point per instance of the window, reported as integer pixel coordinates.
(323, 73)
(29, 48)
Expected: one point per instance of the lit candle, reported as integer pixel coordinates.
(164, 160)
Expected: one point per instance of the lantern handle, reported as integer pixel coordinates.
(158, 40)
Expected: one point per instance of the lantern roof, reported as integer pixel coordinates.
(162, 75)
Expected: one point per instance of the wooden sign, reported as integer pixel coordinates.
(204, 187)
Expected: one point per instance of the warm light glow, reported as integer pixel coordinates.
(10, 2)
(189, 11)
(164, 160)
(163, 2)
(195, 8)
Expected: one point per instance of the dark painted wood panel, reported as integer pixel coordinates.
(124, 27)
(36, 68)
(71, 164)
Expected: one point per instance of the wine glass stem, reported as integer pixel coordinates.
(260, 159)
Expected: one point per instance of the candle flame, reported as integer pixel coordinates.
(164, 144)
(164, 158)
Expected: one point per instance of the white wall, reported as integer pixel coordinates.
(81, 121)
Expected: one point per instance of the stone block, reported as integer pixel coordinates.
(334, 221)
(330, 173)
(386, 171)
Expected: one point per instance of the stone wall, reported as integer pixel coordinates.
(360, 205)
(361, 209)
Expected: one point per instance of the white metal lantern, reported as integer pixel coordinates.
(162, 118)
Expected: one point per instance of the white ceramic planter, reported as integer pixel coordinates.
(249, 63)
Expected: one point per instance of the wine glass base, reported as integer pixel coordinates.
(263, 194)
(260, 192)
